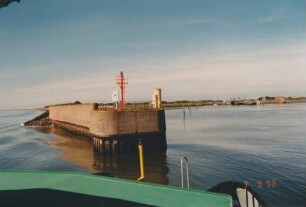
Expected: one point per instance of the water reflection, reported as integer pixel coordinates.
(127, 166)
(80, 151)
(184, 118)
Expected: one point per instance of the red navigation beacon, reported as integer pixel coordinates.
(121, 81)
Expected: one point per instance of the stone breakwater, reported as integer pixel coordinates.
(42, 120)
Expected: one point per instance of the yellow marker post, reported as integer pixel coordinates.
(141, 162)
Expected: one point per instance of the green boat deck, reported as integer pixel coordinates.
(142, 193)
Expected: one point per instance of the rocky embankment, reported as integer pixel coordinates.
(42, 120)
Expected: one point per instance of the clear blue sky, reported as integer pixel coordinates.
(54, 51)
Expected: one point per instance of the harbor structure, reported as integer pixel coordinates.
(114, 129)
(156, 102)
(122, 82)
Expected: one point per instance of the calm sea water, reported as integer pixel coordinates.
(253, 144)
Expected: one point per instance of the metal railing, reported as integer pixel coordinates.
(184, 160)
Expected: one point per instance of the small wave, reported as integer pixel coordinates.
(8, 127)
(6, 140)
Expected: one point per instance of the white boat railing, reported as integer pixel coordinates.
(185, 160)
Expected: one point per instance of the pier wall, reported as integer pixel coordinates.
(108, 123)
(111, 123)
(73, 114)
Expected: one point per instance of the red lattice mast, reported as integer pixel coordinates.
(121, 81)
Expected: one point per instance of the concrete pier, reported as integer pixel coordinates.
(112, 131)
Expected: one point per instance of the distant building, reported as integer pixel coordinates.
(281, 99)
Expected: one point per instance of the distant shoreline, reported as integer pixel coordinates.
(175, 106)
(182, 103)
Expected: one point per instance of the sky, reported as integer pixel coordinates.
(55, 51)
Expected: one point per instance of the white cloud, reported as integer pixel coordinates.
(278, 15)
(72, 84)
(189, 22)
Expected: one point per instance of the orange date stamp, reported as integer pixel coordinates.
(263, 184)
